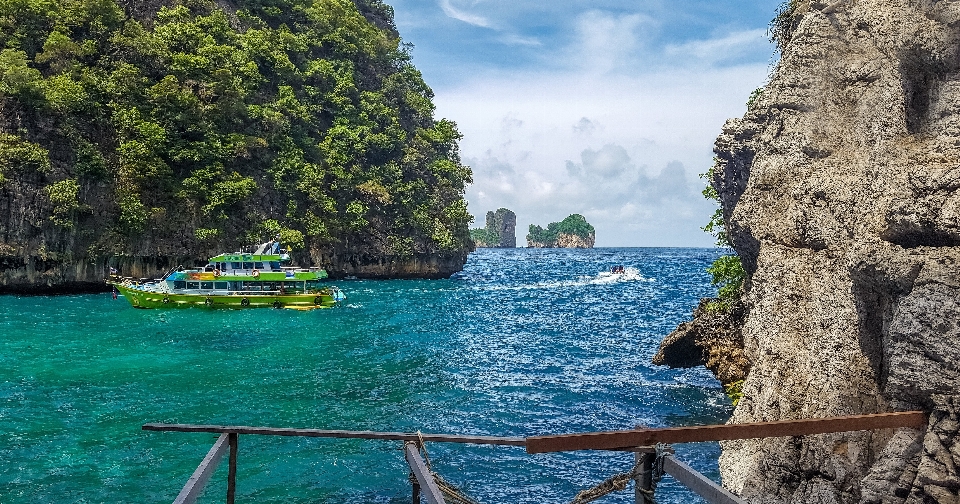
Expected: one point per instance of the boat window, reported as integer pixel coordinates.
(206, 285)
(247, 265)
(258, 265)
(220, 285)
(234, 285)
(193, 285)
(179, 284)
(313, 285)
(236, 265)
(274, 265)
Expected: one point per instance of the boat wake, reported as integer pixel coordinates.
(629, 275)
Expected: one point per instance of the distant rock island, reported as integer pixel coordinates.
(500, 231)
(572, 232)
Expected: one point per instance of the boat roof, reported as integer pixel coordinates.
(240, 257)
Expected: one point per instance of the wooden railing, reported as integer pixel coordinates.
(636, 440)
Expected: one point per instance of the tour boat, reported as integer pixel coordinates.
(238, 280)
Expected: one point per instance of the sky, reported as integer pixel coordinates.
(606, 109)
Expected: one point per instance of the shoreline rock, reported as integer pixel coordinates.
(713, 339)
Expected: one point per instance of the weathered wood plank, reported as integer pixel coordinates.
(395, 436)
(646, 437)
(427, 484)
(700, 484)
(194, 487)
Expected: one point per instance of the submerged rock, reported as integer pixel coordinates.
(840, 190)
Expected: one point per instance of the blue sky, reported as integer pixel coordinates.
(607, 109)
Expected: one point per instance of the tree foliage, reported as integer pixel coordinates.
(727, 270)
(199, 124)
(574, 224)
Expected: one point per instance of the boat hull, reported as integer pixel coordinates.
(147, 299)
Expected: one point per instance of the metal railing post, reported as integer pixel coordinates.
(643, 482)
(232, 472)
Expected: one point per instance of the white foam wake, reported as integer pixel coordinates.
(602, 278)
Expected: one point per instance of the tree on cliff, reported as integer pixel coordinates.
(573, 225)
(200, 125)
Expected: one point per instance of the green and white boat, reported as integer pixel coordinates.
(238, 280)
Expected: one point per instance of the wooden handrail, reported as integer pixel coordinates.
(342, 434)
(617, 440)
(630, 440)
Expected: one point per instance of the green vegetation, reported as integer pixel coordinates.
(782, 26)
(198, 126)
(727, 271)
(484, 237)
(734, 391)
(754, 96)
(575, 224)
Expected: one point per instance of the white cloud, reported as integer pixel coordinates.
(604, 122)
(713, 51)
(517, 40)
(608, 41)
(532, 139)
(460, 15)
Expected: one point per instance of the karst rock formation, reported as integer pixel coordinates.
(840, 189)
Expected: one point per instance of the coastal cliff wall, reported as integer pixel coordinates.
(840, 190)
(145, 135)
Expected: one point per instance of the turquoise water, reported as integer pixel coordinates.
(521, 343)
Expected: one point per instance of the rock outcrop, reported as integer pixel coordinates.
(840, 191)
(165, 164)
(500, 230)
(712, 339)
(572, 232)
(565, 240)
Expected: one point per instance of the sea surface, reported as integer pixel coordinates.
(523, 342)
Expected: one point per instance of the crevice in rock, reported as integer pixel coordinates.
(920, 78)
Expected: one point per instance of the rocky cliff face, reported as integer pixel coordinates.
(840, 188)
(145, 168)
(500, 230)
(565, 240)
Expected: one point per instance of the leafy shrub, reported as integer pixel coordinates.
(727, 270)
(63, 199)
(781, 27)
(484, 237)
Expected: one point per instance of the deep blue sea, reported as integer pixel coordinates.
(523, 342)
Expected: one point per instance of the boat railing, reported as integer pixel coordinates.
(653, 457)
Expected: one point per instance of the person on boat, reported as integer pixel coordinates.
(276, 244)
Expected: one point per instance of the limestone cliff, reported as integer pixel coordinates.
(124, 146)
(500, 230)
(840, 190)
